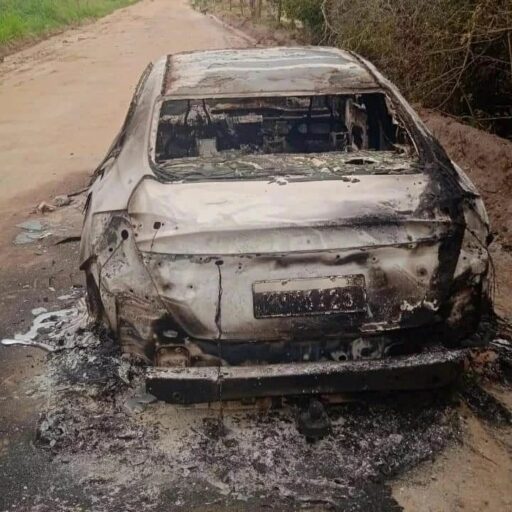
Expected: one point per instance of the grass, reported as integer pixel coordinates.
(23, 19)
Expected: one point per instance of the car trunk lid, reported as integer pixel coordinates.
(222, 255)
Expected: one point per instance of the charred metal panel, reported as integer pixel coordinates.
(136, 320)
(264, 71)
(397, 282)
(200, 385)
(130, 300)
(111, 190)
(280, 216)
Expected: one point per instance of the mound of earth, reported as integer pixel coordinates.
(487, 159)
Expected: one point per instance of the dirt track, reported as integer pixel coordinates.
(61, 103)
(63, 100)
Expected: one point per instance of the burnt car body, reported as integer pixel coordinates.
(280, 220)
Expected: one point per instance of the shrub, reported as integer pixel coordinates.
(308, 12)
(453, 55)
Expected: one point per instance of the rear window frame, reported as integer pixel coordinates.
(394, 106)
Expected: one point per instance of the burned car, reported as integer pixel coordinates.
(280, 220)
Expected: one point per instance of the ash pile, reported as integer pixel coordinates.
(139, 454)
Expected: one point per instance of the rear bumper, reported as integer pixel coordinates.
(210, 384)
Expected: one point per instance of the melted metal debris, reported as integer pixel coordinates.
(45, 325)
(21, 343)
(321, 166)
(32, 230)
(308, 70)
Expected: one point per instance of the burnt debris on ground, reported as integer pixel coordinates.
(120, 445)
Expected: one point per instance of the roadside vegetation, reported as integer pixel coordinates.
(25, 19)
(454, 56)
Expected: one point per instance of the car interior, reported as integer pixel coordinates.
(297, 124)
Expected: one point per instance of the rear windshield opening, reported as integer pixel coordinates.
(317, 124)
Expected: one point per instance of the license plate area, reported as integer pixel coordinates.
(309, 296)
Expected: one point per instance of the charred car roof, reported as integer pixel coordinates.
(265, 71)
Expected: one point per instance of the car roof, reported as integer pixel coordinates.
(265, 72)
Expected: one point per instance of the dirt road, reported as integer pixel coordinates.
(61, 103)
(63, 100)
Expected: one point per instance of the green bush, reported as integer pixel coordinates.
(309, 12)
